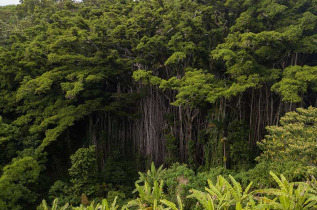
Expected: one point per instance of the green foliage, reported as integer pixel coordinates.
(152, 175)
(213, 173)
(148, 196)
(104, 205)
(8, 132)
(213, 146)
(62, 62)
(194, 88)
(17, 183)
(55, 206)
(237, 138)
(287, 149)
(119, 196)
(288, 196)
(119, 174)
(293, 141)
(172, 149)
(83, 178)
(60, 190)
(172, 205)
(224, 195)
(9, 136)
(84, 172)
(293, 170)
(296, 81)
(179, 179)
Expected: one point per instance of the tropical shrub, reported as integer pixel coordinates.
(225, 195)
(289, 148)
(83, 179)
(152, 175)
(290, 195)
(148, 196)
(293, 140)
(17, 183)
(104, 205)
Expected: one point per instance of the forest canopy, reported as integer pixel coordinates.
(92, 92)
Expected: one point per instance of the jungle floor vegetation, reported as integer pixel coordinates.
(221, 93)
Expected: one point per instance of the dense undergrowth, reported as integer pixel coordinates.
(221, 194)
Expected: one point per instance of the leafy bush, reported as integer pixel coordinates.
(118, 195)
(179, 180)
(225, 195)
(290, 195)
(151, 175)
(148, 196)
(289, 149)
(84, 172)
(16, 183)
(294, 140)
(84, 178)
